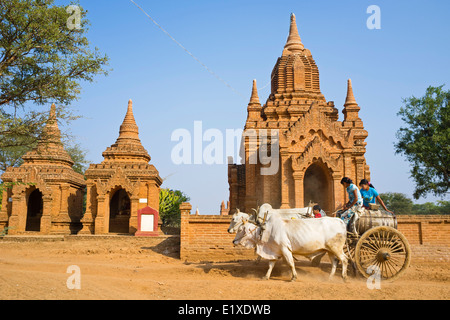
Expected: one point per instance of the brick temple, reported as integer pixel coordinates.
(315, 149)
(122, 184)
(46, 194)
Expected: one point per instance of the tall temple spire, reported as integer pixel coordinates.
(350, 100)
(129, 130)
(254, 98)
(294, 43)
(351, 108)
(253, 108)
(295, 71)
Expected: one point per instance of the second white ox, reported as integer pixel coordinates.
(266, 209)
(302, 237)
(237, 220)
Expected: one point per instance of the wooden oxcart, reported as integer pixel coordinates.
(375, 245)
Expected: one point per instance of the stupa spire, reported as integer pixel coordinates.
(128, 146)
(129, 130)
(253, 108)
(294, 43)
(350, 97)
(254, 98)
(49, 148)
(351, 108)
(51, 132)
(52, 112)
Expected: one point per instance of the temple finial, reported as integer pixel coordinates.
(294, 43)
(351, 108)
(350, 97)
(51, 132)
(254, 98)
(52, 112)
(129, 129)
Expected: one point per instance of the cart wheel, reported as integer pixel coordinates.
(349, 250)
(385, 248)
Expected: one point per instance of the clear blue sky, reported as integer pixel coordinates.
(241, 41)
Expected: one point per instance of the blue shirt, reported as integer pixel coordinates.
(369, 196)
(351, 196)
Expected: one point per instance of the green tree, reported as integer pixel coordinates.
(425, 140)
(43, 60)
(444, 207)
(78, 156)
(425, 208)
(12, 156)
(402, 204)
(397, 202)
(169, 206)
(441, 207)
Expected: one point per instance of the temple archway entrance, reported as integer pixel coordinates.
(119, 212)
(318, 186)
(34, 211)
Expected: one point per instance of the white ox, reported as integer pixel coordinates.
(300, 237)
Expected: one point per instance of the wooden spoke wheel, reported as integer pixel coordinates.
(349, 250)
(382, 249)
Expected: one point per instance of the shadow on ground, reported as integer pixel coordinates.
(169, 247)
(256, 270)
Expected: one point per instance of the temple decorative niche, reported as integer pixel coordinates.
(315, 149)
(47, 194)
(122, 184)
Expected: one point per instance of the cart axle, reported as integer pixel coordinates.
(383, 255)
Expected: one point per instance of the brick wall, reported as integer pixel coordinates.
(205, 237)
(425, 229)
(428, 236)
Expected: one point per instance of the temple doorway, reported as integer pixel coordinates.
(119, 212)
(34, 211)
(318, 186)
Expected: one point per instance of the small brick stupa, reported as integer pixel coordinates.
(122, 184)
(47, 194)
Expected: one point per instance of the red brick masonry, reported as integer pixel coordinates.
(205, 237)
(428, 235)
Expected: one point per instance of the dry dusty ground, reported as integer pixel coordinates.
(146, 268)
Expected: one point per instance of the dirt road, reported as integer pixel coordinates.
(138, 268)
